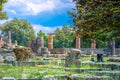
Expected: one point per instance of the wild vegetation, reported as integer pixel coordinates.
(3, 14)
(21, 31)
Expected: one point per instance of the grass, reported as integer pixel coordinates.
(10, 71)
(105, 59)
(31, 72)
(28, 72)
(39, 71)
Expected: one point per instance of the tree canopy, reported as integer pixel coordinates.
(21, 30)
(41, 33)
(2, 14)
(64, 38)
(97, 19)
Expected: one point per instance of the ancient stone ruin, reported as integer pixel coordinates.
(73, 58)
(77, 42)
(50, 41)
(37, 46)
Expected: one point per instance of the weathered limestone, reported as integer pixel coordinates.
(93, 44)
(59, 50)
(33, 46)
(50, 41)
(73, 58)
(0, 38)
(16, 43)
(40, 42)
(114, 59)
(77, 42)
(41, 51)
(37, 46)
(1, 59)
(113, 46)
(9, 59)
(9, 37)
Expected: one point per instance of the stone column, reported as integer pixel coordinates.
(50, 41)
(40, 42)
(78, 42)
(33, 46)
(9, 37)
(1, 42)
(0, 38)
(16, 43)
(113, 46)
(93, 44)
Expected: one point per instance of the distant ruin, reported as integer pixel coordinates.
(5, 42)
(38, 44)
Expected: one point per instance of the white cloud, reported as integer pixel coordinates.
(45, 29)
(3, 21)
(34, 7)
(37, 27)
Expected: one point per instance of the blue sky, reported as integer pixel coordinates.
(45, 15)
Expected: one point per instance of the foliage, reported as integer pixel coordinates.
(64, 38)
(85, 43)
(42, 34)
(2, 14)
(22, 54)
(21, 31)
(97, 19)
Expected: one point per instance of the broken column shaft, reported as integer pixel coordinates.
(50, 41)
(77, 42)
(9, 37)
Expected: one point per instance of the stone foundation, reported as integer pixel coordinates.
(59, 50)
(36, 44)
(73, 58)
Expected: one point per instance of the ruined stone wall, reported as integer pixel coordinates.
(73, 58)
(35, 44)
(83, 50)
(59, 50)
(99, 50)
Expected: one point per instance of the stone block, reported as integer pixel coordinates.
(73, 58)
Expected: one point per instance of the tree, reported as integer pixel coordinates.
(2, 14)
(21, 30)
(96, 19)
(64, 38)
(42, 34)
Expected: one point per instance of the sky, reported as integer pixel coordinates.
(45, 15)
